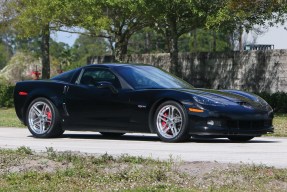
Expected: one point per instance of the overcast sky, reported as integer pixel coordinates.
(275, 35)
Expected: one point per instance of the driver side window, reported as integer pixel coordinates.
(93, 76)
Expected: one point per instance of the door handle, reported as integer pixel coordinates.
(66, 89)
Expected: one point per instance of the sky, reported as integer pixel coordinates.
(68, 38)
(275, 35)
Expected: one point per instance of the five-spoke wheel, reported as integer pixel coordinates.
(171, 122)
(43, 119)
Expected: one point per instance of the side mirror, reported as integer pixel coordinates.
(106, 84)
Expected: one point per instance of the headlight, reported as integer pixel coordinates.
(207, 101)
(261, 101)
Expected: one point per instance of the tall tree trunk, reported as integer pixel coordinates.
(214, 41)
(121, 49)
(240, 39)
(175, 67)
(195, 40)
(45, 52)
(147, 42)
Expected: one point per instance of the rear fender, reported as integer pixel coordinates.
(56, 98)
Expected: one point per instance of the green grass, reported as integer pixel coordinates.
(8, 118)
(25, 170)
(280, 124)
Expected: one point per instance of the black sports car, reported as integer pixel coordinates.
(114, 99)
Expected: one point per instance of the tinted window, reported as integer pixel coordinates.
(66, 76)
(143, 77)
(93, 76)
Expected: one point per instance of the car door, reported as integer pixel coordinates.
(93, 107)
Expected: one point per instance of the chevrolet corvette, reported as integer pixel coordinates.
(115, 99)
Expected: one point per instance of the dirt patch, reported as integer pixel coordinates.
(200, 168)
(39, 165)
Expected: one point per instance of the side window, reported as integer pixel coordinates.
(93, 76)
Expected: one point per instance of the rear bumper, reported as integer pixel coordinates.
(228, 126)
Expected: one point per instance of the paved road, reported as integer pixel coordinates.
(269, 151)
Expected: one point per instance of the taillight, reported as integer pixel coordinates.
(23, 93)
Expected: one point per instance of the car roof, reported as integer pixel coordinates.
(112, 65)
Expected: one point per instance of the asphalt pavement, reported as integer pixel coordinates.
(270, 151)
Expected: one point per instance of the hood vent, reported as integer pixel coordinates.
(244, 104)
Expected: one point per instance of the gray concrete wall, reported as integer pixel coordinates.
(254, 71)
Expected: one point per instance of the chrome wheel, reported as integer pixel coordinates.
(169, 121)
(40, 117)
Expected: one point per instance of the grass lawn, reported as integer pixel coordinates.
(280, 124)
(8, 118)
(25, 170)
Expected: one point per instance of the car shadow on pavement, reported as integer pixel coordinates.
(101, 137)
(156, 139)
(225, 140)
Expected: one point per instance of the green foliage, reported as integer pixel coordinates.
(146, 41)
(6, 95)
(203, 40)
(86, 46)
(5, 54)
(278, 101)
(25, 150)
(234, 15)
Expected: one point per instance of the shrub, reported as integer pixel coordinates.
(278, 101)
(6, 95)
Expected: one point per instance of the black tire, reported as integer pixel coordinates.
(111, 134)
(49, 121)
(174, 131)
(240, 138)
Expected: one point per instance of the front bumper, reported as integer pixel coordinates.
(230, 125)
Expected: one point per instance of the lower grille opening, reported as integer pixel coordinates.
(249, 124)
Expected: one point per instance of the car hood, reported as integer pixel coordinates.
(218, 95)
(230, 97)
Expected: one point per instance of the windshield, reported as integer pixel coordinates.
(149, 77)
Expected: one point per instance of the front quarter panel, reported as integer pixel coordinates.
(146, 101)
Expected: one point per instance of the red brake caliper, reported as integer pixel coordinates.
(163, 123)
(49, 116)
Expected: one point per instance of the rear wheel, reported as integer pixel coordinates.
(43, 119)
(171, 122)
(110, 134)
(240, 138)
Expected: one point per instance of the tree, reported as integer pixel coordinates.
(146, 41)
(124, 19)
(86, 46)
(239, 16)
(208, 41)
(5, 55)
(175, 18)
(40, 18)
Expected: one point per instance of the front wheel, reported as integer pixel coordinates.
(171, 122)
(43, 119)
(240, 138)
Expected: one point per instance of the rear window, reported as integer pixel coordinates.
(66, 76)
